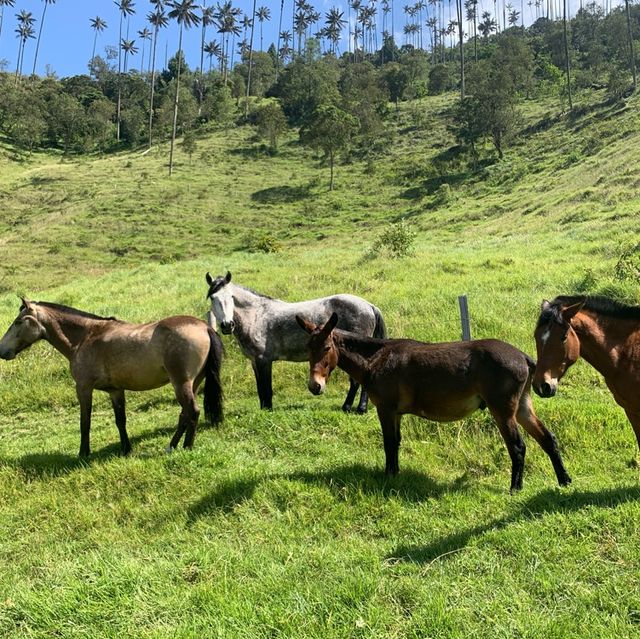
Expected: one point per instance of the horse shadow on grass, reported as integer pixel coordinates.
(345, 483)
(546, 502)
(281, 194)
(57, 464)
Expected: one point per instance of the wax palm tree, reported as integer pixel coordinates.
(98, 25)
(44, 12)
(208, 18)
(129, 48)
(335, 24)
(632, 53)
(278, 42)
(144, 35)
(487, 26)
(253, 22)
(25, 31)
(158, 20)
(183, 12)
(567, 60)
(285, 50)
(471, 7)
(213, 49)
(264, 15)
(3, 4)
(126, 9)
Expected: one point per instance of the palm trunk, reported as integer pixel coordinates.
(175, 104)
(142, 58)
(253, 21)
(566, 54)
(153, 83)
(119, 82)
(201, 78)
(95, 39)
(459, 9)
(35, 57)
(632, 54)
(279, 32)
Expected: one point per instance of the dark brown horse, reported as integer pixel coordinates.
(605, 333)
(114, 356)
(442, 382)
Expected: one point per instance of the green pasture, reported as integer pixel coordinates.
(282, 524)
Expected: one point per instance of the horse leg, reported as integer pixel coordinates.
(262, 369)
(117, 401)
(508, 427)
(634, 418)
(351, 395)
(531, 423)
(390, 423)
(189, 415)
(85, 397)
(364, 402)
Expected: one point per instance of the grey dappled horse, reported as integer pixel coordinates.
(266, 328)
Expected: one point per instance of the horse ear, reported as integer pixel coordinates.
(25, 302)
(227, 277)
(546, 305)
(305, 325)
(331, 324)
(569, 312)
(209, 278)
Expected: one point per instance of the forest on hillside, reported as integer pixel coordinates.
(340, 101)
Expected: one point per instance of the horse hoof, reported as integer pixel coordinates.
(566, 481)
(169, 450)
(361, 411)
(346, 409)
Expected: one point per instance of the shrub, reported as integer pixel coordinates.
(397, 240)
(628, 265)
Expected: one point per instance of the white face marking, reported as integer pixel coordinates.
(544, 338)
(222, 305)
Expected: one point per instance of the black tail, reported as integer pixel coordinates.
(380, 329)
(212, 400)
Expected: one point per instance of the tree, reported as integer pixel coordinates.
(208, 18)
(263, 14)
(44, 12)
(189, 144)
(129, 48)
(183, 12)
(246, 104)
(567, 60)
(330, 129)
(3, 4)
(126, 9)
(632, 54)
(158, 20)
(25, 32)
(144, 35)
(271, 122)
(98, 25)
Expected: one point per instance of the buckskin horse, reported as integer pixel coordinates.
(441, 382)
(267, 331)
(113, 356)
(605, 332)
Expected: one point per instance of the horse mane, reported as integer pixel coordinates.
(220, 282)
(596, 303)
(75, 311)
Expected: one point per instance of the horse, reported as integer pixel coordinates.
(267, 331)
(442, 382)
(113, 356)
(605, 332)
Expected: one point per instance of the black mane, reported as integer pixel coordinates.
(221, 281)
(75, 311)
(595, 303)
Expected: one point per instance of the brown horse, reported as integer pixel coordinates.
(606, 333)
(114, 356)
(442, 382)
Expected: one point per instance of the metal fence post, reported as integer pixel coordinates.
(464, 317)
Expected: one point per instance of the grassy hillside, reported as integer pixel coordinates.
(281, 523)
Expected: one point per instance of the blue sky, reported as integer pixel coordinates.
(67, 39)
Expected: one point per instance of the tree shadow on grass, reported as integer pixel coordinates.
(344, 482)
(281, 194)
(548, 501)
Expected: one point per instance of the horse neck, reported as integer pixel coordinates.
(601, 339)
(246, 304)
(355, 353)
(64, 331)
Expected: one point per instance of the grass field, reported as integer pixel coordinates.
(281, 524)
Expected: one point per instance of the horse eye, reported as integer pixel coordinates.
(564, 337)
(327, 349)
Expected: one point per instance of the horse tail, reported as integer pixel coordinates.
(212, 400)
(531, 363)
(380, 329)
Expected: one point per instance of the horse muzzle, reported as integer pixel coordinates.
(7, 354)
(315, 387)
(227, 327)
(546, 389)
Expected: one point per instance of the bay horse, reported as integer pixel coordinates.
(605, 332)
(267, 331)
(113, 356)
(442, 382)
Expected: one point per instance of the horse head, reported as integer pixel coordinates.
(24, 331)
(222, 303)
(557, 344)
(323, 352)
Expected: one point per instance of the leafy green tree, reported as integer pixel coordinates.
(68, 119)
(271, 122)
(331, 130)
(189, 144)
